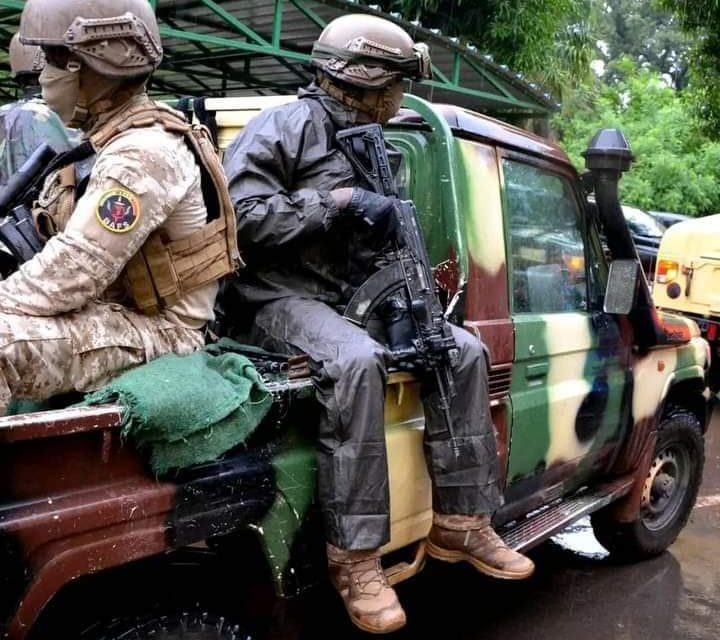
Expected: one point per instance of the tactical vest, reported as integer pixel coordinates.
(163, 270)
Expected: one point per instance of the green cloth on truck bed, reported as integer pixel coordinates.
(188, 409)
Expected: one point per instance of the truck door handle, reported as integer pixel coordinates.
(689, 271)
(537, 370)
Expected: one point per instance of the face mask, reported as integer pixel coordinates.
(385, 103)
(61, 89)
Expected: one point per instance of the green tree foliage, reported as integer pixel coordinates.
(646, 53)
(677, 166)
(701, 19)
(549, 41)
(645, 32)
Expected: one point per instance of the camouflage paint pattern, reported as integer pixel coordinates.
(270, 489)
(81, 350)
(55, 336)
(149, 178)
(294, 467)
(655, 372)
(570, 414)
(561, 432)
(95, 505)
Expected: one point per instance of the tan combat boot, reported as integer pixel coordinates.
(454, 538)
(370, 601)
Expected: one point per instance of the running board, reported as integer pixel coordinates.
(546, 522)
(404, 570)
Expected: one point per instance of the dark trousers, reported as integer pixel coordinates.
(352, 458)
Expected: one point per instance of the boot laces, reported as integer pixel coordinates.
(368, 577)
(488, 538)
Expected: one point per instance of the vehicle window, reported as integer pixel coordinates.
(401, 171)
(546, 241)
(642, 224)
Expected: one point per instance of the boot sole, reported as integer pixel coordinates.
(447, 555)
(367, 628)
(375, 630)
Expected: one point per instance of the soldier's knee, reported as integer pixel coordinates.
(365, 358)
(472, 351)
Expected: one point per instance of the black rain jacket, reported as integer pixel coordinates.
(281, 169)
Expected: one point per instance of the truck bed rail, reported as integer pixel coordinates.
(59, 422)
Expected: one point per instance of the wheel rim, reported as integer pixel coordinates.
(665, 487)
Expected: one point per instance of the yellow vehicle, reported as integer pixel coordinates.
(687, 279)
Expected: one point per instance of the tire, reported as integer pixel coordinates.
(196, 625)
(670, 491)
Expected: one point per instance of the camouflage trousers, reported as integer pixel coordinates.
(81, 351)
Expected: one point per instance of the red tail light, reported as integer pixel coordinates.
(712, 332)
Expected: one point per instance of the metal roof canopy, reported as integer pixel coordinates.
(262, 47)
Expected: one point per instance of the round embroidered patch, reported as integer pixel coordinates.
(118, 210)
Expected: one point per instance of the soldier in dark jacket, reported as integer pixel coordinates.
(311, 236)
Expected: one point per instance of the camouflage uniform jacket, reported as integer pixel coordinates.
(281, 169)
(143, 179)
(24, 126)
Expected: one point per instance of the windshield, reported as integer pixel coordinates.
(643, 224)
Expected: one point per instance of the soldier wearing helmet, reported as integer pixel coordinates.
(26, 63)
(28, 122)
(312, 235)
(130, 267)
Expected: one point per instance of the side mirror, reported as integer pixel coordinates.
(622, 287)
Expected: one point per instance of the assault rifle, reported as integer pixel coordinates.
(17, 228)
(430, 346)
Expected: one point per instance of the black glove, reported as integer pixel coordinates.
(377, 211)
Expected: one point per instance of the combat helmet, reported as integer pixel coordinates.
(369, 52)
(118, 39)
(25, 60)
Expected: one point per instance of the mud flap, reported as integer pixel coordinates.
(627, 509)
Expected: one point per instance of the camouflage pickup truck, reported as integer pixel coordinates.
(599, 401)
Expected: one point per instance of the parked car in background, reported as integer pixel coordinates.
(646, 232)
(668, 218)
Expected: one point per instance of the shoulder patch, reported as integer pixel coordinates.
(118, 210)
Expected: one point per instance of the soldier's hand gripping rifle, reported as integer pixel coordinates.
(431, 347)
(17, 228)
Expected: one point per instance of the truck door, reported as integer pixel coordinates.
(568, 377)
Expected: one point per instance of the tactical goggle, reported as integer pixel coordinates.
(417, 67)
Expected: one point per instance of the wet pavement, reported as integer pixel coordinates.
(577, 592)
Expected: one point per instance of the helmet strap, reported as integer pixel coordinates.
(80, 117)
(105, 96)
